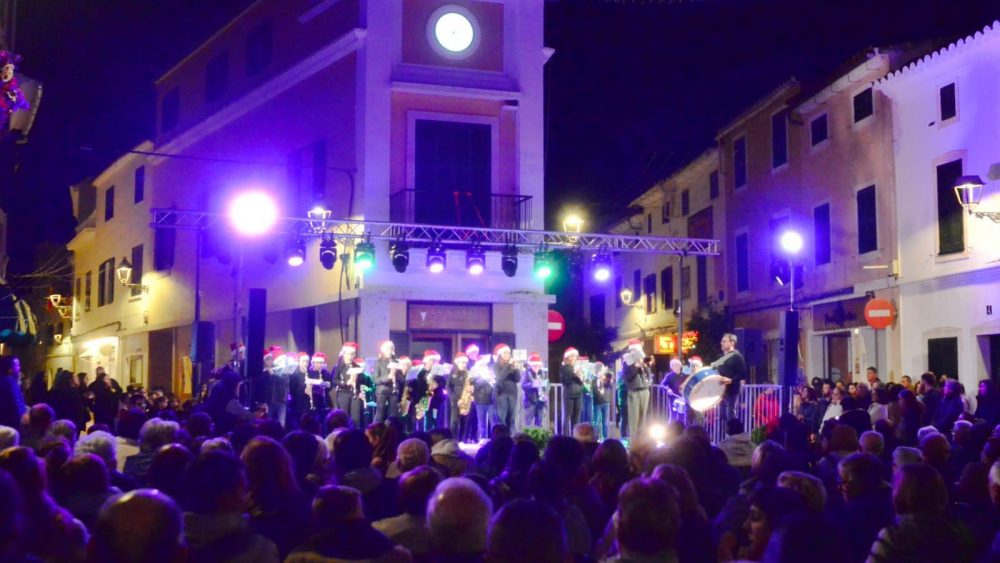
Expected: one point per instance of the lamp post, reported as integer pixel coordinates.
(969, 191)
(791, 244)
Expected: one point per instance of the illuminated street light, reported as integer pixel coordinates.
(253, 213)
(124, 272)
(791, 242)
(626, 297)
(316, 216)
(602, 266)
(969, 191)
(573, 223)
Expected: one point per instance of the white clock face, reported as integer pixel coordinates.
(453, 32)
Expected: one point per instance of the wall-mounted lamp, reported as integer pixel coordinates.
(969, 191)
(124, 272)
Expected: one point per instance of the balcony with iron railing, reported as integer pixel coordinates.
(458, 208)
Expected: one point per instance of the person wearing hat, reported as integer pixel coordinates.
(298, 400)
(457, 381)
(388, 380)
(447, 456)
(637, 377)
(507, 378)
(482, 396)
(603, 391)
(320, 379)
(343, 391)
(572, 387)
(534, 391)
(418, 390)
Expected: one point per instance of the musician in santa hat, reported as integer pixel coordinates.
(637, 378)
(572, 382)
(389, 380)
(535, 392)
(298, 400)
(343, 390)
(320, 379)
(457, 380)
(260, 385)
(482, 393)
(418, 390)
(507, 378)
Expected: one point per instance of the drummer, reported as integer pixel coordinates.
(696, 364)
(674, 378)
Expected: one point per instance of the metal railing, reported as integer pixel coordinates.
(504, 211)
(758, 404)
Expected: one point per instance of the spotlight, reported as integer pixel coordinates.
(508, 261)
(475, 260)
(543, 265)
(602, 266)
(295, 254)
(364, 255)
(436, 258)
(791, 242)
(253, 213)
(328, 253)
(399, 253)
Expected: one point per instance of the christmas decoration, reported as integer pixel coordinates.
(11, 97)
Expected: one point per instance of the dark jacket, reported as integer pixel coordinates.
(341, 379)
(673, 381)
(508, 377)
(351, 540)
(637, 377)
(532, 394)
(988, 409)
(482, 391)
(572, 384)
(68, 404)
(456, 384)
(604, 391)
(947, 413)
(277, 387)
(299, 400)
(931, 399)
(863, 517)
(735, 368)
(418, 387)
(11, 402)
(105, 403)
(387, 380)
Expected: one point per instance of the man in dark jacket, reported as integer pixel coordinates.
(572, 387)
(533, 386)
(508, 376)
(950, 408)
(11, 401)
(105, 399)
(733, 370)
(929, 395)
(298, 400)
(867, 502)
(482, 395)
(388, 381)
(637, 378)
(604, 391)
(457, 380)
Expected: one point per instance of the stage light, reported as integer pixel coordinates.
(399, 253)
(543, 265)
(475, 260)
(658, 433)
(508, 260)
(791, 242)
(436, 258)
(602, 266)
(364, 255)
(253, 213)
(295, 253)
(328, 253)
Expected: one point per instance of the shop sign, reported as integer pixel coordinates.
(839, 315)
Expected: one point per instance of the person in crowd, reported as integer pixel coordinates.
(87, 487)
(549, 482)
(646, 522)
(809, 486)
(130, 422)
(526, 531)
(867, 506)
(768, 507)
(342, 532)
(215, 525)
(307, 461)
(936, 451)
(40, 417)
(604, 391)
(911, 416)
(12, 404)
(879, 407)
(106, 399)
(988, 403)
(873, 443)
(842, 443)
(411, 453)
(950, 407)
(610, 470)
(834, 409)
(737, 445)
(809, 411)
(409, 529)
(694, 537)
(447, 456)
(223, 404)
(142, 526)
(458, 515)
(298, 399)
(277, 508)
(732, 368)
(871, 376)
(929, 396)
(352, 456)
(572, 383)
(513, 482)
(154, 433)
(9, 437)
(507, 377)
(923, 529)
(66, 399)
(384, 450)
(38, 389)
(587, 436)
(535, 392)
(167, 470)
(103, 445)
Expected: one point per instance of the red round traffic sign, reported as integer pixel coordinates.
(879, 313)
(557, 325)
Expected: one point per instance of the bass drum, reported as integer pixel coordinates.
(704, 389)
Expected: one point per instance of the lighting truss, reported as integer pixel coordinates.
(349, 233)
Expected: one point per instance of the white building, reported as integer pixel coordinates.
(945, 116)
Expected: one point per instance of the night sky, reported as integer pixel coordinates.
(635, 89)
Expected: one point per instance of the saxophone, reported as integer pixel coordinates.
(404, 401)
(465, 401)
(425, 403)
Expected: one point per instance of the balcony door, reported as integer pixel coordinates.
(452, 173)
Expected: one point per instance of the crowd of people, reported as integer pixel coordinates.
(115, 475)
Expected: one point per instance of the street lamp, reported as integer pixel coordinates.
(969, 191)
(317, 215)
(791, 244)
(573, 223)
(626, 297)
(124, 272)
(253, 213)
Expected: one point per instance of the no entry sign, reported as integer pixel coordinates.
(879, 313)
(557, 326)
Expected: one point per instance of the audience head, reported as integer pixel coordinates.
(101, 444)
(584, 433)
(337, 418)
(156, 433)
(768, 507)
(335, 505)
(130, 422)
(215, 484)
(872, 442)
(904, 455)
(199, 424)
(523, 456)
(918, 488)
(303, 448)
(26, 470)
(65, 429)
(680, 480)
(142, 526)
(412, 453)
(859, 475)
(734, 426)
(935, 449)
(9, 437)
(527, 531)
(40, 417)
(809, 486)
(458, 515)
(647, 518)
(844, 439)
(351, 451)
(415, 488)
(85, 473)
(453, 462)
(167, 468)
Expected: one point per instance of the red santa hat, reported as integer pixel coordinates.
(461, 356)
(500, 348)
(301, 355)
(470, 348)
(569, 352)
(349, 347)
(694, 359)
(431, 355)
(535, 359)
(404, 360)
(635, 343)
(273, 351)
(318, 356)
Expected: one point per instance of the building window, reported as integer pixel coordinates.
(818, 130)
(686, 282)
(666, 212)
(949, 105)
(170, 110)
(259, 43)
(667, 287)
(685, 202)
(87, 287)
(636, 284)
(951, 227)
(649, 223)
(821, 235)
(649, 290)
(106, 283)
(713, 185)
(618, 291)
(742, 263)
(216, 76)
(452, 157)
(109, 203)
(864, 105)
(597, 310)
(779, 139)
(140, 184)
(136, 270)
(868, 221)
(739, 162)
